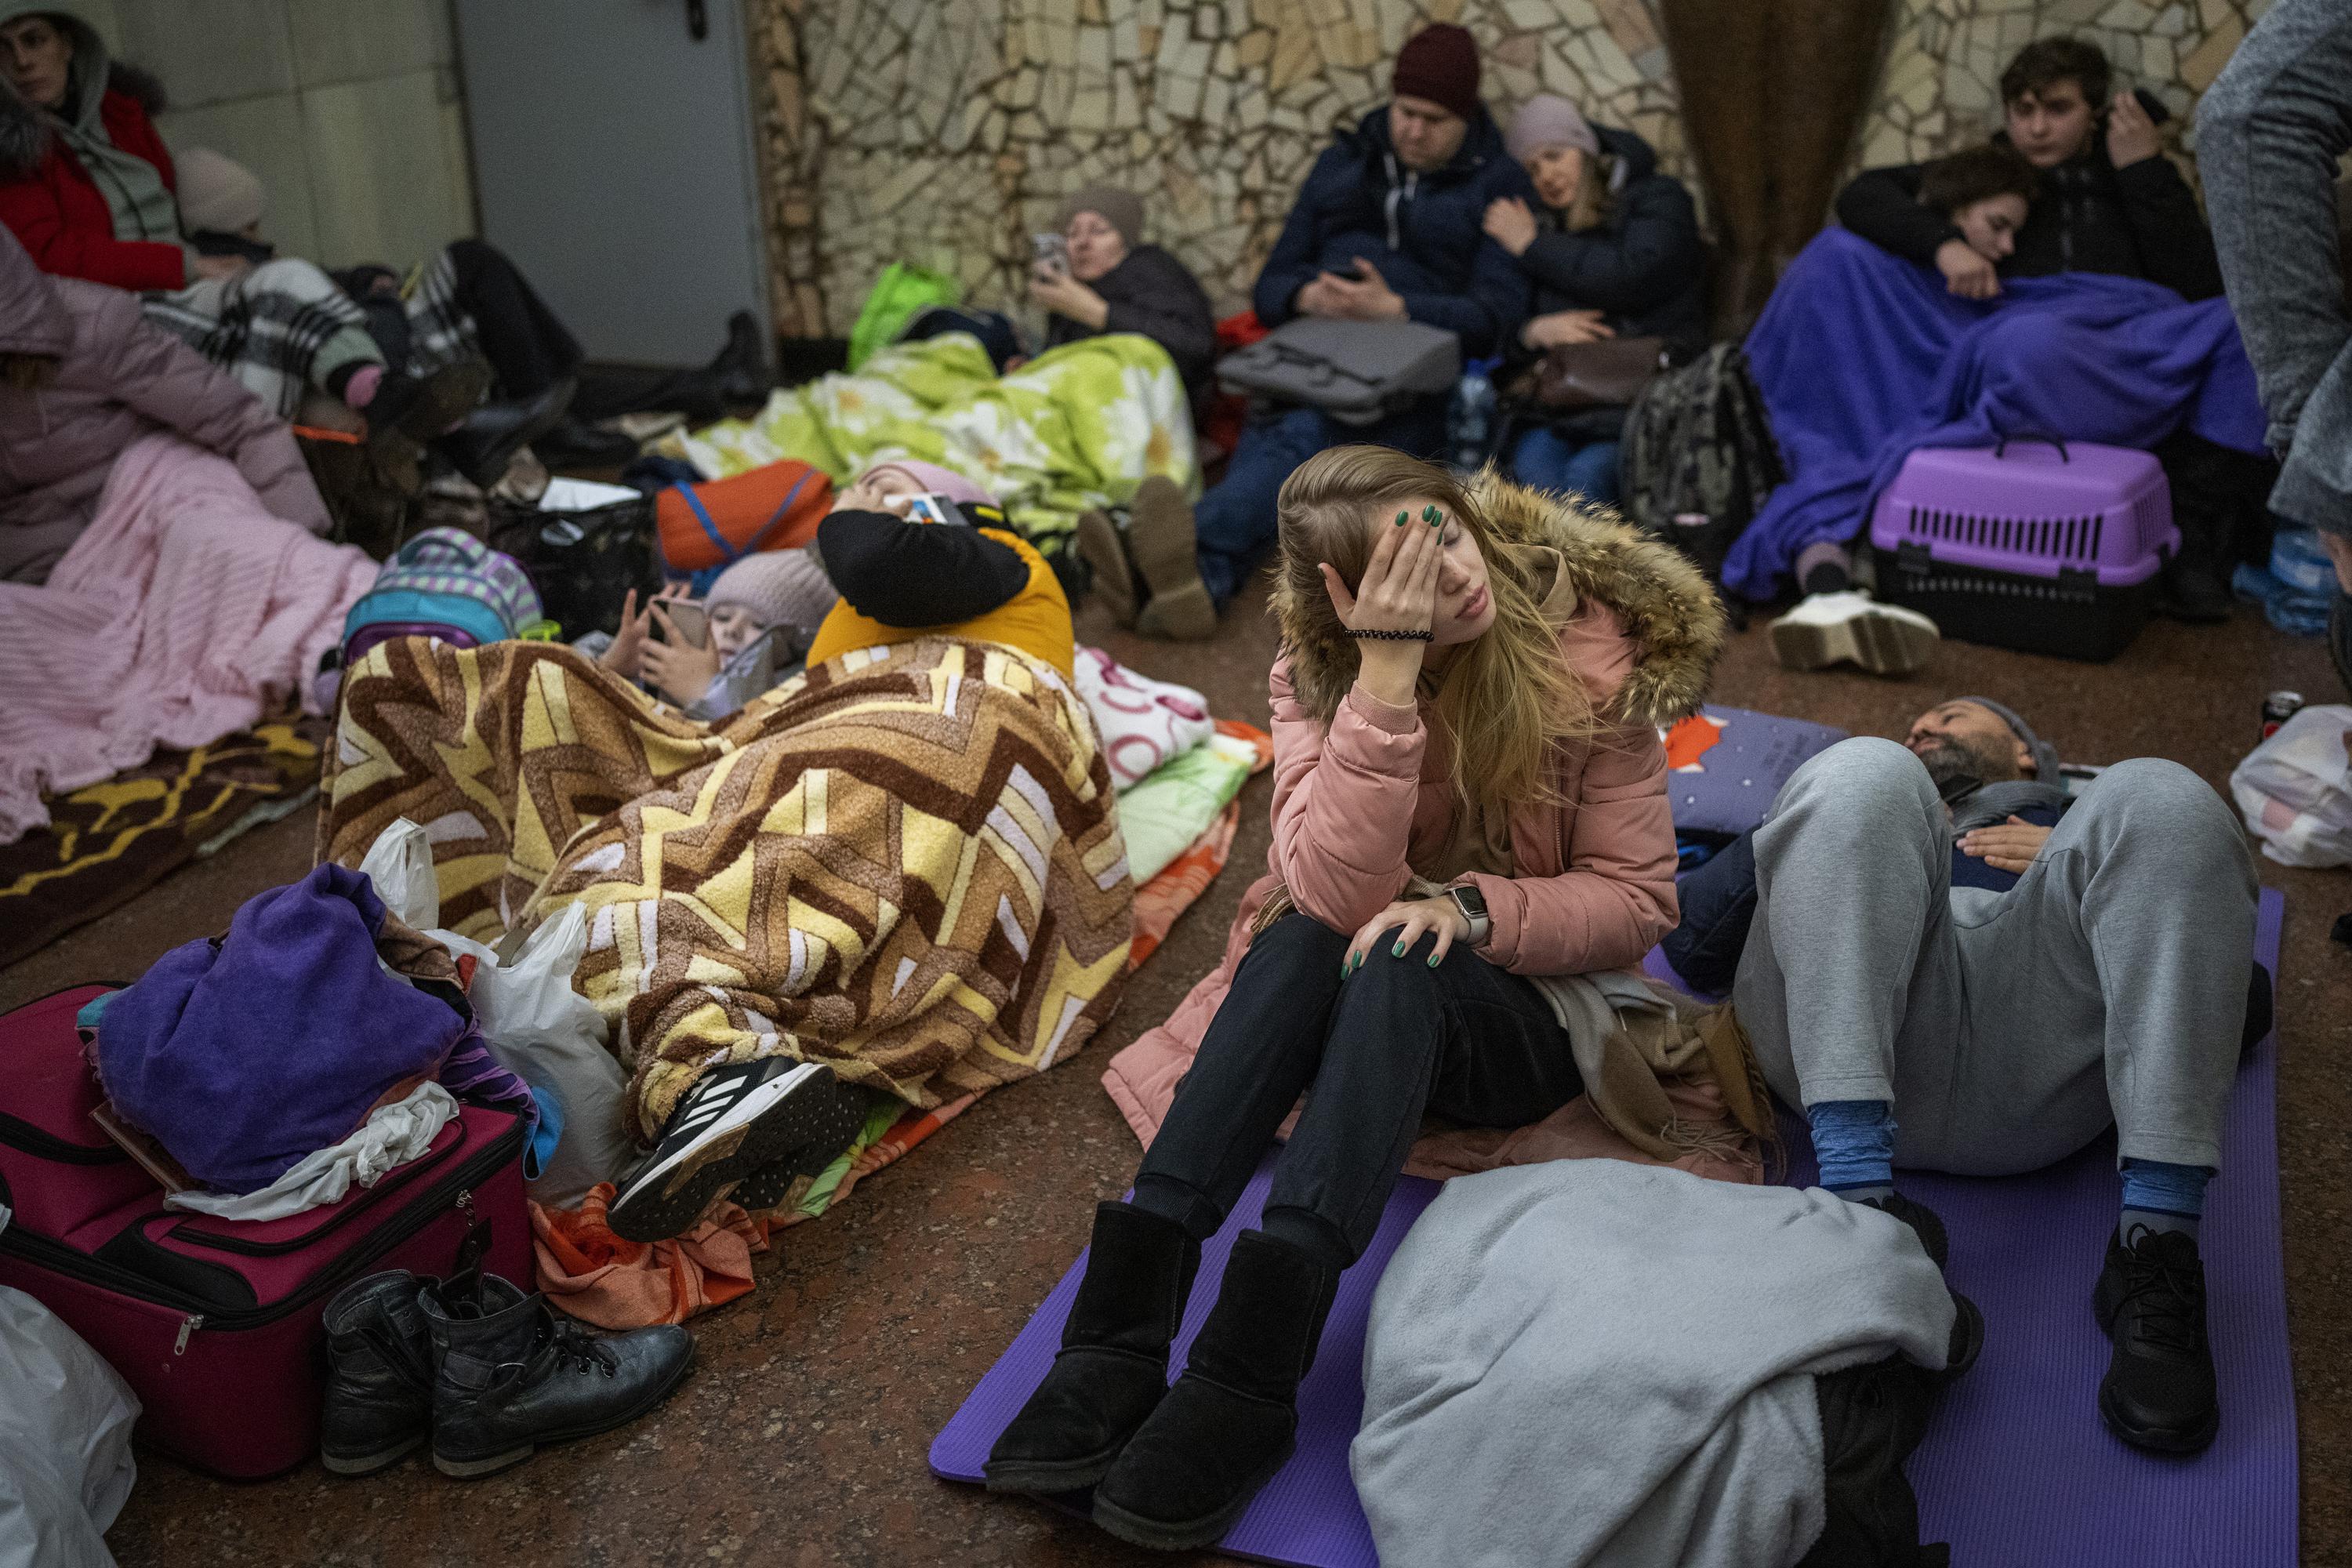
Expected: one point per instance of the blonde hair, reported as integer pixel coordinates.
(1507, 698)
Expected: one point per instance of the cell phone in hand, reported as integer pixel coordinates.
(932, 508)
(689, 619)
(1052, 253)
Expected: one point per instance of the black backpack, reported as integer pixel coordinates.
(1697, 444)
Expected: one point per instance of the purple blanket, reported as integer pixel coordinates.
(1862, 357)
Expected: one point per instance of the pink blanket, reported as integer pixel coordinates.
(184, 612)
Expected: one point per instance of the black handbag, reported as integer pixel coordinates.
(583, 563)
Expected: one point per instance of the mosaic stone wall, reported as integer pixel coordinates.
(946, 131)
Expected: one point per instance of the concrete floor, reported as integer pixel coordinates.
(801, 1439)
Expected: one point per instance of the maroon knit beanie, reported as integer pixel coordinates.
(1440, 63)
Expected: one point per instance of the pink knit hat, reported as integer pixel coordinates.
(935, 480)
(1548, 120)
(779, 587)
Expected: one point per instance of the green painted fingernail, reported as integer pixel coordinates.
(1432, 961)
(1432, 516)
(1397, 951)
(1400, 520)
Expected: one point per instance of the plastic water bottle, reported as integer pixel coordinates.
(1470, 421)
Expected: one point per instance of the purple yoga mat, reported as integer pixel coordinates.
(2016, 1469)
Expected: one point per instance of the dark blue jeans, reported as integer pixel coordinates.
(1547, 460)
(1234, 522)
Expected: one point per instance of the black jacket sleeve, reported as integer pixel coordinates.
(917, 574)
(1628, 268)
(1163, 301)
(2175, 248)
(1883, 206)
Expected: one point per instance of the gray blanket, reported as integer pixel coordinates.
(1591, 1362)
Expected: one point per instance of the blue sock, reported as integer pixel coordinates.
(1854, 1141)
(2163, 1197)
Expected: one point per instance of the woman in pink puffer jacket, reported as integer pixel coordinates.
(86, 375)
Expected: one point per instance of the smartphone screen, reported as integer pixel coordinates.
(935, 508)
(692, 621)
(1053, 252)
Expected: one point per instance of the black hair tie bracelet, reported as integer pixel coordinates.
(1393, 637)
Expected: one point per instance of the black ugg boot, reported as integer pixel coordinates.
(379, 1402)
(508, 1375)
(1112, 1369)
(1232, 1418)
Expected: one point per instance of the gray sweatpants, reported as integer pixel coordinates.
(2008, 1028)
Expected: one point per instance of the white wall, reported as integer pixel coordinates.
(348, 109)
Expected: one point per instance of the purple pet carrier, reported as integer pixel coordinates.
(2053, 547)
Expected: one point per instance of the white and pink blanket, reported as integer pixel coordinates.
(184, 612)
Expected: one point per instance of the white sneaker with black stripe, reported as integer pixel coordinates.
(735, 1119)
(1852, 626)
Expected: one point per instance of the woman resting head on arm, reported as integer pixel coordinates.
(1985, 192)
(1470, 814)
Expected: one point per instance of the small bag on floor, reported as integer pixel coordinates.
(2295, 789)
(585, 547)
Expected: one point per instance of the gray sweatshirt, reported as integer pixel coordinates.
(2268, 133)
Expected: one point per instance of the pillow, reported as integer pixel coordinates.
(1725, 766)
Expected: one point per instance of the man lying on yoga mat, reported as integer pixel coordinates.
(1935, 928)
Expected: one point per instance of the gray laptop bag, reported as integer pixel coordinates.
(1357, 372)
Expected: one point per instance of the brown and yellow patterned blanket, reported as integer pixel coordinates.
(905, 863)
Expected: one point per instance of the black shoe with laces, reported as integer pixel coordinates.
(2158, 1393)
(735, 1119)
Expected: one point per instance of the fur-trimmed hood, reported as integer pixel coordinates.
(1660, 598)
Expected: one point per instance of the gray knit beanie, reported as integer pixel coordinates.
(779, 587)
(1548, 120)
(1123, 210)
(2045, 756)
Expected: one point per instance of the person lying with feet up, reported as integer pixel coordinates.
(1431, 905)
(1950, 964)
(1386, 228)
(915, 550)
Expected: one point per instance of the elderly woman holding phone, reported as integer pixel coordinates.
(1103, 278)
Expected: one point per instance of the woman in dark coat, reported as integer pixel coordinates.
(1614, 251)
(1115, 283)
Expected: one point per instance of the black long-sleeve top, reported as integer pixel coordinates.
(907, 574)
(2138, 221)
(1154, 295)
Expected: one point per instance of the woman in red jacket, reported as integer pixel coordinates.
(88, 186)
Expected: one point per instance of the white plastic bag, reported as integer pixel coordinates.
(66, 1468)
(538, 1026)
(553, 1037)
(2295, 789)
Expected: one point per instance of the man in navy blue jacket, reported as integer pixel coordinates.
(1387, 228)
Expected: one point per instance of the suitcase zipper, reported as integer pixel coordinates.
(458, 1190)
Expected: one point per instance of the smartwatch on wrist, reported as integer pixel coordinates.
(1472, 904)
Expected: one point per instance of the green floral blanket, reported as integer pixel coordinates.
(1076, 428)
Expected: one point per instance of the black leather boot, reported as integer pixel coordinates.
(379, 1402)
(485, 442)
(1872, 1416)
(508, 1375)
(1231, 1420)
(1112, 1369)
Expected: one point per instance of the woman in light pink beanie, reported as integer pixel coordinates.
(928, 478)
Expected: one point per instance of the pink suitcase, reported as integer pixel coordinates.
(215, 1323)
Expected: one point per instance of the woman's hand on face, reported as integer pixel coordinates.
(1511, 223)
(1410, 919)
(1562, 327)
(678, 670)
(1398, 594)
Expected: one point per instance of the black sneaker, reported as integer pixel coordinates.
(834, 1132)
(2158, 1393)
(1968, 1318)
(735, 1119)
